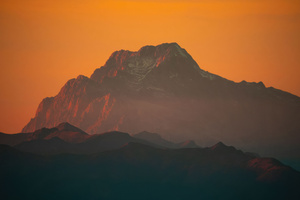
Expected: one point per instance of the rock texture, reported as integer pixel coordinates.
(162, 89)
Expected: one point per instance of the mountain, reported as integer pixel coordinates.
(157, 139)
(187, 144)
(95, 143)
(139, 171)
(64, 131)
(66, 138)
(162, 89)
(92, 144)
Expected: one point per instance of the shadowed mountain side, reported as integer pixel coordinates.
(66, 138)
(51, 146)
(13, 139)
(154, 138)
(136, 170)
(65, 126)
(94, 144)
(162, 89)
(64, 131)
(187, 144)
(157, 139)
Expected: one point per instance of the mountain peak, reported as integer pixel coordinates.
(158, 50)
(65, 126)
(219, 146)
(161, 51)
(81, 77)
(135, 67)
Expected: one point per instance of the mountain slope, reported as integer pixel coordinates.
(136, 170)
(154, 138)
(92, 144)
(157, 139)
(64, 131)
(162, 89)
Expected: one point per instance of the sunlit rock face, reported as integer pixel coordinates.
(162, 89)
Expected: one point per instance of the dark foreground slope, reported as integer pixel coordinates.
(137, 171)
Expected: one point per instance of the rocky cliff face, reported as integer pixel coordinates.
(162, 89)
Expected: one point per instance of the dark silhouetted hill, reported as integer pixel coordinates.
(139, 171)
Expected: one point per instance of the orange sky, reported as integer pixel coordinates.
(45, 43)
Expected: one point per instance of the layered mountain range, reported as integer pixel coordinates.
(162, 89)
(66, 138)
(66, 162)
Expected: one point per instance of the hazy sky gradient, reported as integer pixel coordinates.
(45, 43)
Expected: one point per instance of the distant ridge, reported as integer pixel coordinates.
(65, 126)
(64, 131)
(157, 139)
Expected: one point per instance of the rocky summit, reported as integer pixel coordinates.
(162, 89)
